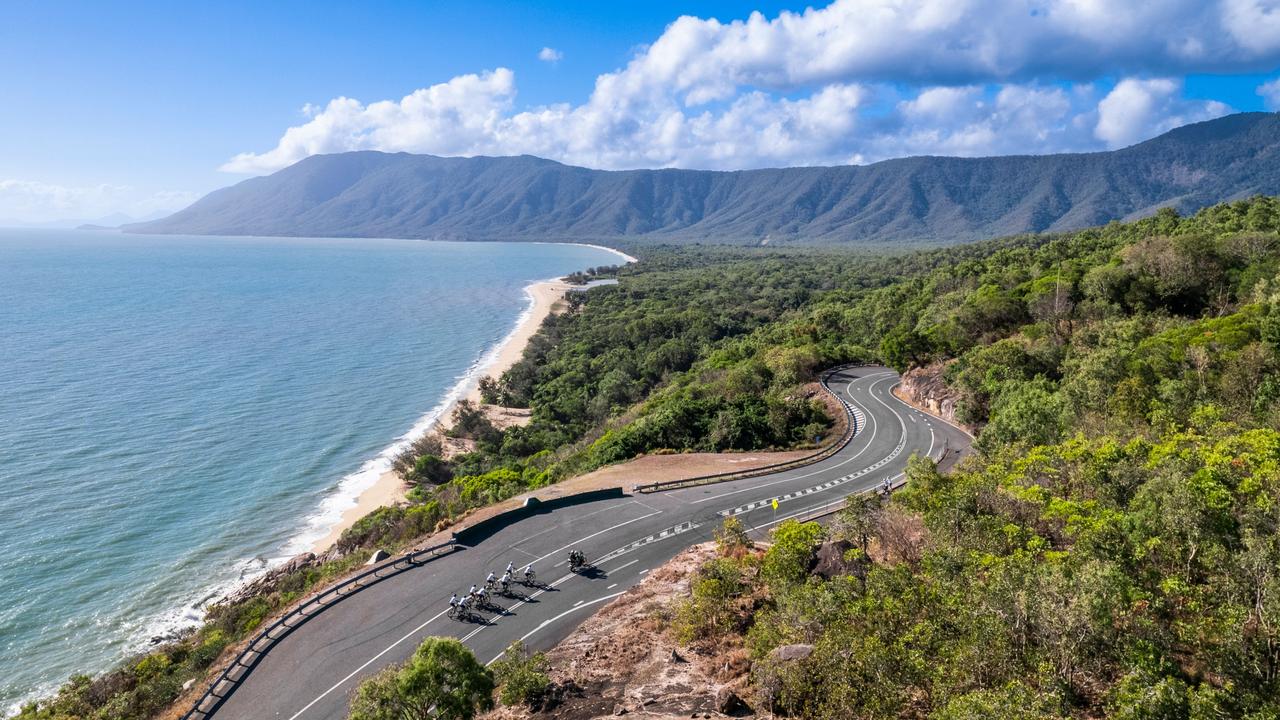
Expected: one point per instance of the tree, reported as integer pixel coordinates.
(788, 560)
(442, 681)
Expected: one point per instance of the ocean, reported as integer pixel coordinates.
(177, 413)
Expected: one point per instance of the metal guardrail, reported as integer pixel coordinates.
(228, 680)
(851, 429)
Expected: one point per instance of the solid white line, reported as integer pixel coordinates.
(367, 663)
(846, 461)
(566, 612)
(816, 507)
(373, 659)
(575, 542)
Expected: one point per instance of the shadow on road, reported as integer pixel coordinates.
(591, 572)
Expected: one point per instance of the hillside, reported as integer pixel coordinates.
(921, 199)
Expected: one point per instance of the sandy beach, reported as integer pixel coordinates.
(547, 297)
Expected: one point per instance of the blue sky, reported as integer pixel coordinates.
(140, 107)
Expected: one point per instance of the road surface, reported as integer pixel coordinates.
(312, 672)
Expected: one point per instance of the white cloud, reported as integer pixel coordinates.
(550, 55)
(959, 76)
(36, 202)
(1137, 109)
(1270, 92)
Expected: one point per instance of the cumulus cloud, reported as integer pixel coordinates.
(550, 55)
(958, 76)
(1137, 109)
(33, 201)
(1270, 93)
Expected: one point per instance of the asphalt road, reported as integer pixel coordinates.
(312, 672)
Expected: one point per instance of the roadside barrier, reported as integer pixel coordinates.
(853, 426)
(487, 527)
(231, 676)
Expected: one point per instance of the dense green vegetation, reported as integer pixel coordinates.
(1115, 547)
(1110, 545)
(441, 681)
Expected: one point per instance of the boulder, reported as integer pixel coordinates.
(378, 556)
(831, 560)
(729, 703)
(298, 562)
(790, 653)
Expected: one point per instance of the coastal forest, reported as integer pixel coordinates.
(1112, 547)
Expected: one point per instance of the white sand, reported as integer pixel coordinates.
(547, 298)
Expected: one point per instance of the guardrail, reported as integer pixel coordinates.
(851, 429)
(231, 676)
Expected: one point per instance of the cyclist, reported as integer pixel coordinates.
(472, 592)
(482, 598)
(511, 567)
(528, 574)
(506, 581)
(463, 605)
(453, 605)
(490, 581)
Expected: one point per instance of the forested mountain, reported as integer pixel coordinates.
(921, 199)
(1113, 548)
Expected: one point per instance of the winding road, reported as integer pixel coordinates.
(311, 673)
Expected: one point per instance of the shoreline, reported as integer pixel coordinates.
(544, 298)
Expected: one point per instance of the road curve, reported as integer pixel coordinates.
(311, 673)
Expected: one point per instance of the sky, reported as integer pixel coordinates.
(141, 108)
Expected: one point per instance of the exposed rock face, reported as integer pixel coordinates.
(266, 582)
(831, 560)
(621, 662)
(925, 388)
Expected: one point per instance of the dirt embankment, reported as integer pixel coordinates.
(622, 661)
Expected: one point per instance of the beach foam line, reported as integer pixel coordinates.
(349, 489)
(627, 258)
(189, 613)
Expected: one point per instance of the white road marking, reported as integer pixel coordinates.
(582, 604)
(374, 659)
(367, 663)
(575, 542)
(846, 461)
(566, 612)
(612, 586)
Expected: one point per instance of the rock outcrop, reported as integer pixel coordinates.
(925, 388)
(622, 662)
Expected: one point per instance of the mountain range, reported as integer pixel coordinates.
(910, 200)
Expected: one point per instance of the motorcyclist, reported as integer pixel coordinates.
(575, 559)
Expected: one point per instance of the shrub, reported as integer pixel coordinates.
(521, 677)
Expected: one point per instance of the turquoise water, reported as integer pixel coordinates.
(176, 413)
